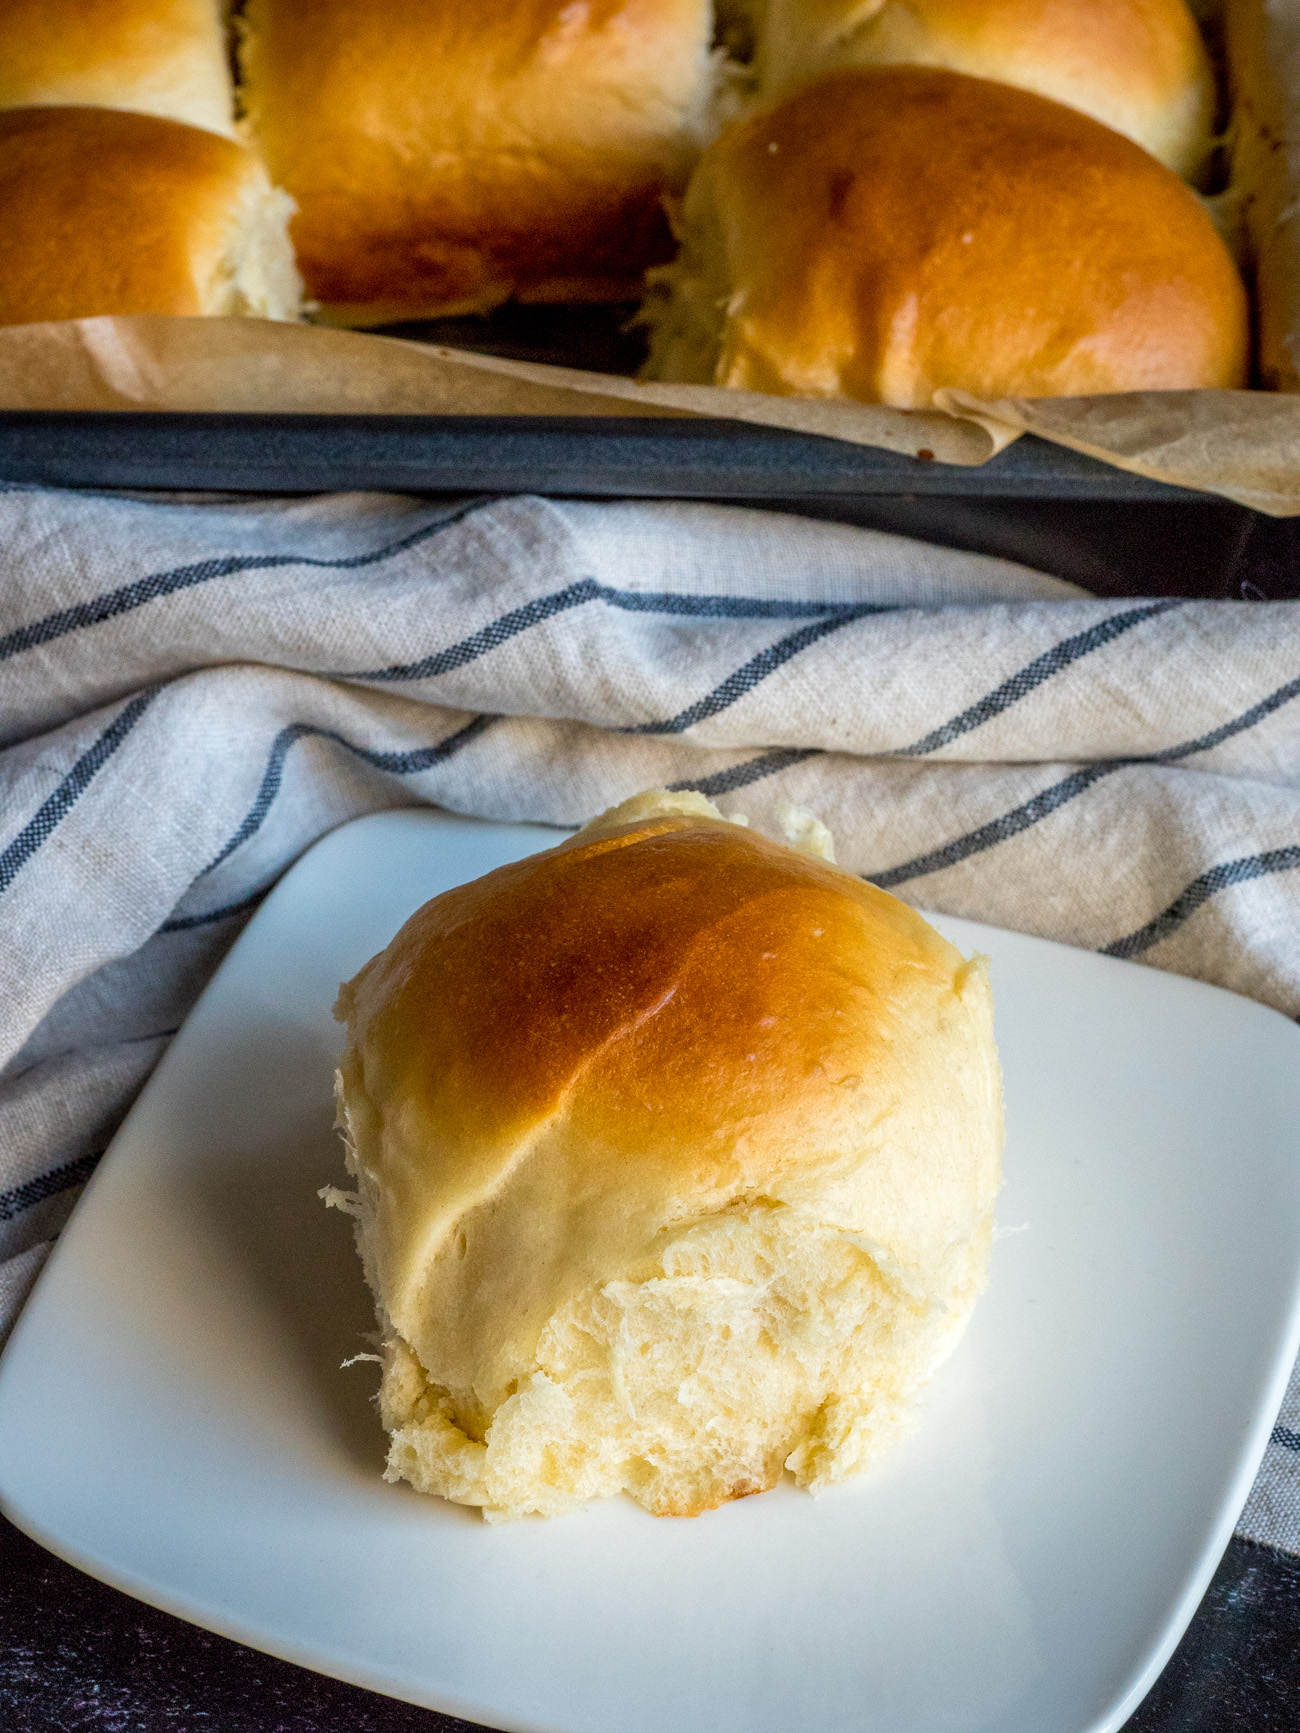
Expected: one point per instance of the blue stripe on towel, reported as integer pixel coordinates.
(159, 584)
(1050, 800)
(741, 775)
(585, 590)
(1033, 675)
(750, 675)
(1199, 892)
(399, 763)
(396, 763)
(74, 784)
(732, 607)
(187, 923)
(23, 1197)
(1020, 818)
(479, 643)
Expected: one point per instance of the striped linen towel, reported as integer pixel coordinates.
(192, 692)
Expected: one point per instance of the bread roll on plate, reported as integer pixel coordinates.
(166, 57)
(676, 1152)
(108, 212)
(889, 232)
(446, 157)
(1139, 66)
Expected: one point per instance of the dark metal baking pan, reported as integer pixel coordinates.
(1035, 503)
(1038, 503)
(686, 459)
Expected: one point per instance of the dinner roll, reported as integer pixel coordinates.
(445, 157)
(166, 57)
(1263, 44)
(1139, 66)
(888, 232)
(676, 1152)
(109, 212)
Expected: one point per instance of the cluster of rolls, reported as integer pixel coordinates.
(410, 158)
(877, 199)
(124, 184)
(987, 195)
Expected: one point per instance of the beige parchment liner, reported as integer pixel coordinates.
(253, 365)
(1242, 444)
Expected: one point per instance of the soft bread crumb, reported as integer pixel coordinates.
(806, 832)
(256, 276)
(656, 803)
(759, 1341)
(687, 302)
(334, 1197)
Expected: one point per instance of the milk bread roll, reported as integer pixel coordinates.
(1263, 45)
(110, 212)
(446, 157)
(1139, 66)
(676, 1152)
(889, 232)
(165, 57)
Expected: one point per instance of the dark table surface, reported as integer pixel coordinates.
(77, 1657)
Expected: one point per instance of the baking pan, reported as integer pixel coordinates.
(1035, 502)
(599, 455)
(612, 456)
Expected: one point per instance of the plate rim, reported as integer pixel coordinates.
(193, 1610)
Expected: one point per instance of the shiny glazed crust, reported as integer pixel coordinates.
(108, 212)
(1138, 66)
(562, 1077)
(165, 57)
(445, 157)
(886, 233)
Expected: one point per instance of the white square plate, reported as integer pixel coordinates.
(173, 1418)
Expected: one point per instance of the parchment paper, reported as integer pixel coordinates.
(1244, 445)
(256, 365)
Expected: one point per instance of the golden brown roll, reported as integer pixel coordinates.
(1138, 66)
(109, 212)
(676, 1152)
(1263, 42)
(166, 57)
(888, 232)
(445, 157)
